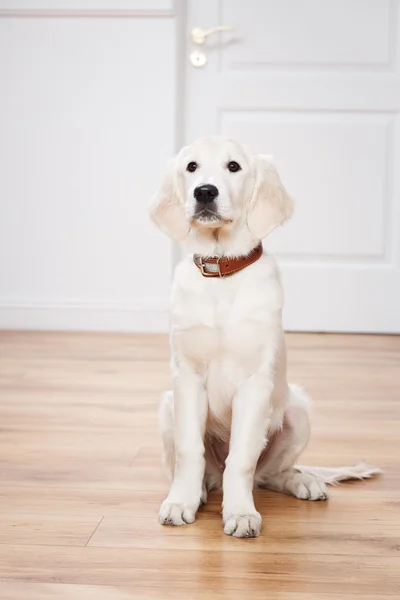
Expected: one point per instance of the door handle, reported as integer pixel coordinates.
(200, 35)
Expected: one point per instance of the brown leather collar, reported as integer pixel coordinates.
(220, 266)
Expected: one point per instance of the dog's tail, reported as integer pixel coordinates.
(361, 470)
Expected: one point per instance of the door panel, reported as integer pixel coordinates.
(316, 85)
(308, 33)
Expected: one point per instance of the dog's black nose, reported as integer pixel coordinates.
(206, 193)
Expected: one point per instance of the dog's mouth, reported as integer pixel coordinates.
(208, 216)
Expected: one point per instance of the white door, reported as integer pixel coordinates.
(315, 83)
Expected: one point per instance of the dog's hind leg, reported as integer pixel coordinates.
(276, 469)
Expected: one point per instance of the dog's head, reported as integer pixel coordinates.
(216, 183)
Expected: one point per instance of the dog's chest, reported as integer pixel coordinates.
(222, 327)
(220, 338)
(224, 356)
(228, 341)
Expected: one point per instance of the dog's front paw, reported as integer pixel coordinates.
(243, 525)
(176, 513)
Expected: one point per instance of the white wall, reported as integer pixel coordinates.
(86, 124)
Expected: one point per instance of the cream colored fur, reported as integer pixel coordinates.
(228, 347)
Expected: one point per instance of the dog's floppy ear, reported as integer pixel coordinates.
(270, 204)
(167, 206)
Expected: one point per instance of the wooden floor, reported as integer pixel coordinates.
(81, 483)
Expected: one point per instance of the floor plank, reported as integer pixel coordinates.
(45, 529)
(205, 569)
(281, 535)
(60, 591)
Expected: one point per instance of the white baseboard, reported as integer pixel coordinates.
(143, 317)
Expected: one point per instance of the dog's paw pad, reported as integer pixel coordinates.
(243, 526)
(176, 514)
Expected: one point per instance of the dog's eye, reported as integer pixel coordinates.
(233, 166)
(192, 166)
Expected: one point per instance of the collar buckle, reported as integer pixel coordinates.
(202, 264)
